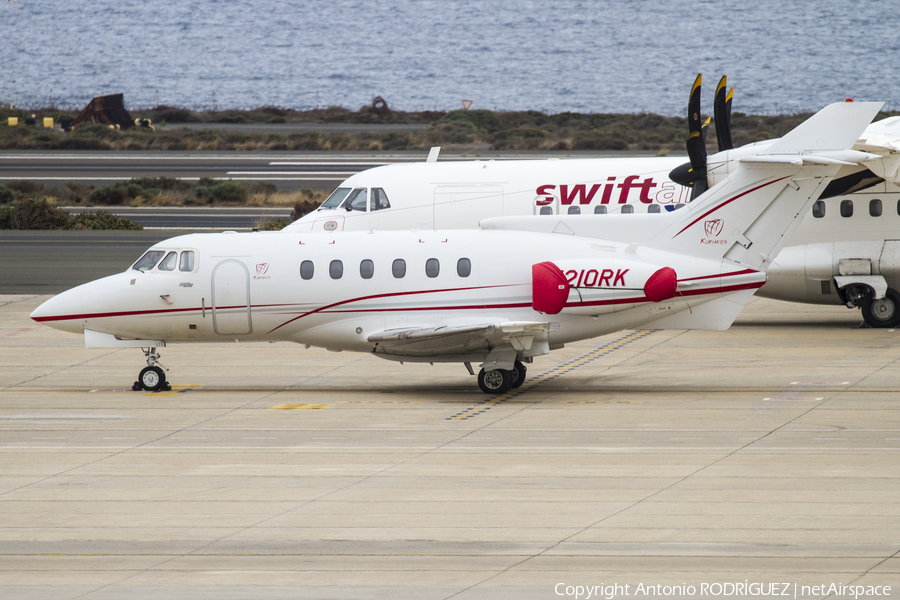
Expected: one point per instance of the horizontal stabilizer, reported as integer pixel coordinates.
(835, 127)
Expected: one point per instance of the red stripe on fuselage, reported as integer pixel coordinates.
(744, 272)
(395, 294)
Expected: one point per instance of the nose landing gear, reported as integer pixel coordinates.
(152, 377)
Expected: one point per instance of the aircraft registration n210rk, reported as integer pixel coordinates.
(499, 297)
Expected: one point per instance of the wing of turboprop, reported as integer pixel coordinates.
(514, 336)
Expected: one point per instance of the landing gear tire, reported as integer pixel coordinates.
(518, 375)
(497, 381)
(152, 379)
(883, 313)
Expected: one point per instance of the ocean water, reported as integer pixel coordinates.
(623, 56)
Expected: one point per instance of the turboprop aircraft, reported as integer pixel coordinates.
(840, 256)
(499, 297)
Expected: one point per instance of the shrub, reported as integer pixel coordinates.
(485, 120)
(33, 213)
(102, 221)
(303, 207)
(214, 191)
(25, 187)
(267, 224)
(175, 115)
(6, 195)
(109, 196)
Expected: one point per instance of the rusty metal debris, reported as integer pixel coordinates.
(106, 110)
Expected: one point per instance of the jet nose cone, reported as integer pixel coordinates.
(64, 311)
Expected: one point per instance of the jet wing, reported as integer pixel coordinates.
(459, 339)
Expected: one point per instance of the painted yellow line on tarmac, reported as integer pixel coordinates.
(176, 389)
(300, 407)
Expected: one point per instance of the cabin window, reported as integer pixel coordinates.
(336, 197)
(336, 269)
(379, 199)
(653, 208)
(148, 260)
(846, 208)
(399, 268)
(169, 262)
(627, 209)
(187, 261)
(548, 210)
(366, 269)
(574, 210)
(356, 200)
(307, 269)
(600, 210)
(432, 267)
(874, 208)
(819, 209)
(463, 267)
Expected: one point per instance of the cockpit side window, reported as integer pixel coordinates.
(169, 262)
(187, 261)
(379, 199)
(336, 197)
(148, 260)
(356, 200)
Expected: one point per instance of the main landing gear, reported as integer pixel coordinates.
(152, 377)
(884, 313)
(500, 381)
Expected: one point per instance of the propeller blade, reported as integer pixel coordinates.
(722, 112)
(700, 183)
(694, 106)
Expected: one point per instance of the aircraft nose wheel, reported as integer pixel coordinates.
(496, 381)
(151, 378)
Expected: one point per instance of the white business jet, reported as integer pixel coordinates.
(848, 253)
(497, 297)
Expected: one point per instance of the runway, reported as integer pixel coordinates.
(766, 453)
(289, 171)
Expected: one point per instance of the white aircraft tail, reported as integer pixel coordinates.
(748, 216)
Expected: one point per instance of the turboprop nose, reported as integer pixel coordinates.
(64, 311)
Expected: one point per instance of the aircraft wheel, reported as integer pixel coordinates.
(883, 313)
(518, 375)
(496, 381)
(152, 379)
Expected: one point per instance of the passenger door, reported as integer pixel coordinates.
(231, 298)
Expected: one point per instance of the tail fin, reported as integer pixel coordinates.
(750, 215)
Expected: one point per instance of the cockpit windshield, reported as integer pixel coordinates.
(148, 260)
(336, 197)
(356, 200)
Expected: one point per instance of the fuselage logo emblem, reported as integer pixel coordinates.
(713, 227)
(261, 270)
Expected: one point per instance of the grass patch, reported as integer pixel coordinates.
(455, 130)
